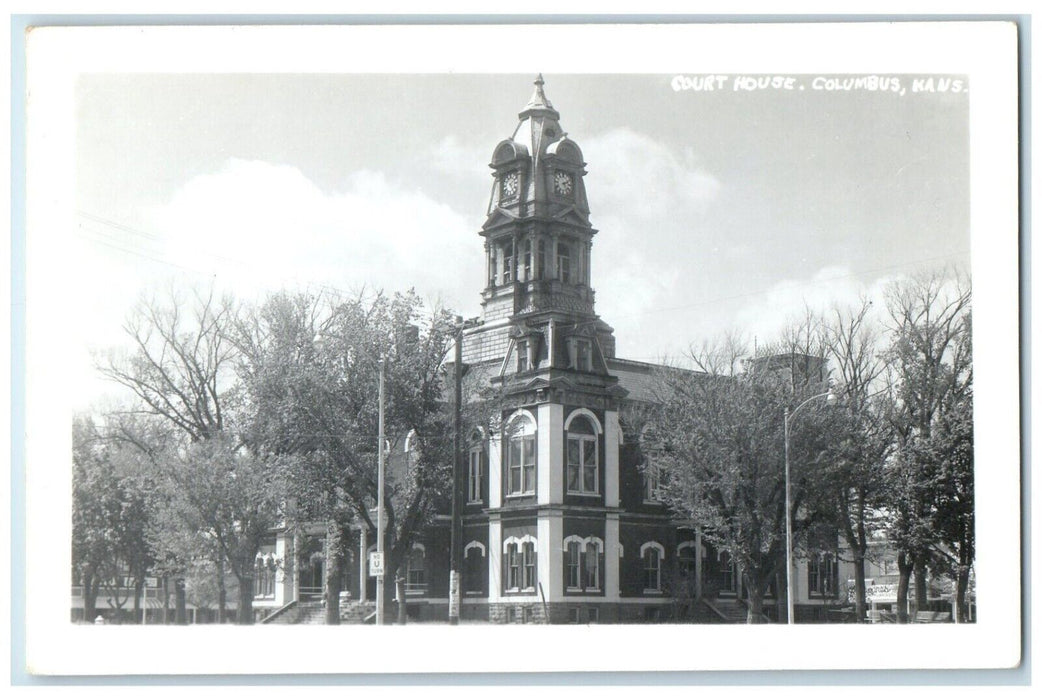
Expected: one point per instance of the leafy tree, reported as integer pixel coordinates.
(218, 492)
(931, 371)
(311, 371)
(218, 495)
(721, 430)
(856, 486)
(110, 518)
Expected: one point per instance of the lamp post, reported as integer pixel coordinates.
(789, 415)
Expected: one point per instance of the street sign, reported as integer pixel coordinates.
(376, 563)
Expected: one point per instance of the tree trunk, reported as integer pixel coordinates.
(334, 562)
(166, 599)
(904, 568)
(921, 602)
(139, 590)
(222, 594)
(179, 600)
(860, 603)
(245, 613)
(962, 584)
(90, 598)
(754, 601)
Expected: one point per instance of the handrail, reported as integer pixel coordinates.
(278, 612)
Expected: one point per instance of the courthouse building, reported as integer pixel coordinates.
(561, 517)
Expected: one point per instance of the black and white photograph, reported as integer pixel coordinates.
(561, 335)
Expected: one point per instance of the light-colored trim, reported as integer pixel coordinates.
(549, 455)
(474, 544)
(519, 541)
(612, 440)
(589, 414)
(495, 561)
(652, 545)
(688, 544)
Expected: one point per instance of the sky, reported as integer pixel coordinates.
(716, 210)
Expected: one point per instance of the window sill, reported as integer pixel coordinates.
(591, 494)
(524, 494)
(475, 503)
(652, 591)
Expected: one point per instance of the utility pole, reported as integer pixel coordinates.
(457, 520)
(380, 506)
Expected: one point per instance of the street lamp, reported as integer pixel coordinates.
(789, 415)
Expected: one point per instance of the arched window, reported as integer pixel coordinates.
(582, 468)
(519, 560)
(592, 564)
(474, 568)
(521, 455)
(573, 563)
(652, 554)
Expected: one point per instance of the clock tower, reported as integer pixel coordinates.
(538, 242)
(551, 451)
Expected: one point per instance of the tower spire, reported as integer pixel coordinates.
(538, 99)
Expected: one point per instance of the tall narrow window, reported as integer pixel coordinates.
(541, 260)
(521, 457)
(416, 576)
(728, 573)
(651, 555)
(574, 564)
(651, 483)
(582, 457)
(564, 263)
(592, 567)
(528, 553)
(522, 356)
(473, 568)
(513, 557)
(526, 260)
(508, 263)
(474, 476)
(583, 355)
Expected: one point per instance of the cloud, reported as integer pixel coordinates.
(786, 301)
(644, 177)
(256, 226)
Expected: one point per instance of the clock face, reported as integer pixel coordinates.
(510, 182)
(562, 183)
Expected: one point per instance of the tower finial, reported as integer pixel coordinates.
(538, 99)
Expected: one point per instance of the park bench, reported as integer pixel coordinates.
(932, 616)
